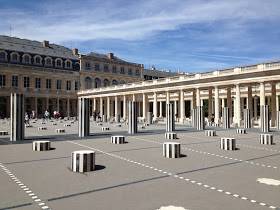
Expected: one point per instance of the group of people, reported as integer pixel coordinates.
(47, 116)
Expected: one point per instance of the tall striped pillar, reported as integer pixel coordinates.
(170, 118)
(226, 120)
(194, 118)
(17, 117)
(132, 117)
(83, 106)
(247, 118)
(199, 118)
(278, 120)
(264, 118)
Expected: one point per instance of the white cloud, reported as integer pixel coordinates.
(62, 22)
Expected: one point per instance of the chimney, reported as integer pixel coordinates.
(46, 43)
(75, 51)
(111, 55)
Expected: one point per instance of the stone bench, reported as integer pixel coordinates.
(105, 128)
(241, 131)
(83, 161)
(59, 130)
(42, 128)
(210, 133)
(117, 139)
(228, 144)
(171, 149)
(170, 135)
(4, 133)
(41, 145)
(266, 138)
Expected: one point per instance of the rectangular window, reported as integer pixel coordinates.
(122, 70)
(87, 66)
(48, 83)
(38, 83)
(14, 81)
(58, 84)
(130, 71)
(76, 85)
(114, 69)
(68, 85)
(2, 80)
(26, 82)
(97, 67)
(137, 72)
(106, 68)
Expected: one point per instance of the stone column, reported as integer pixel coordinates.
(223, 103)
(36, 106)
(255, 107)
(225, 115)
(273, 104)
(101, 107)
(144, 106)
(68, 107)
(182, 106)
(217, 106)
(108, 108)
(194, 99)
(277, 103)
(229, 104)
(132, 117)
(170, 118)
(167, 97)
(160, 109)
(17, 117)
(175, 107)
(155, 106)
(198, 101)
(210, 95)
(84, 123)
(57, 104)
(124, 107)
(237, 113)
(262, 94)
(199, 118)
(250, 100)
(247, 118)
(117, 118)
(94, 105)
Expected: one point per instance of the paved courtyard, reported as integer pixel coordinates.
(135, 175)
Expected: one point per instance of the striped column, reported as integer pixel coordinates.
(117, 139)
(17, 117)
(132, 117)
(264, 118)
(170, 135)
(247, 118)
(171, 149)
(41, 145)
(83, 161)
(240, 131)
(210, 133)
(225, 115)
(199, 118)
(278, 120)
(83, 107)
(266, 138)
(149, 118)
(194, 117)
(228, 144)
(170, 118)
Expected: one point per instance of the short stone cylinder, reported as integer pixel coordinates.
(228, 144)
(83, 161)
(210, 133)
(42, 128)
(67, 125)
(4, 133)
(266, 138)
(60, 130)
(117, 139)
(241, 131)
(170, 135)
(171, 149)
(105, 128)
(41, 145)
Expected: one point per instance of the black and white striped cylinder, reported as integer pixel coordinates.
(83, 161)
(264, 118)
(67, 125)
(17, 117)
(170, 118)
(117, 139)
(266, 138)
(210, 133)
(225, 115)
(41, 145)
(105, 128)
(132, 117)
(171, 149)
(59, 130)
(278, 120)
(170, 135)
(149, 118)
(247, 118)
(228, 144)
(241, 131)
(83, 106)
(3, 133)
(42, 128)
(200, 118)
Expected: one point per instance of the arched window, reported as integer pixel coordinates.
(48, 61)
(3, 56)
(97, 83)
(26, 59)
(14, 57)
(68, 64)
(88, 83)
(58, 62)
(115, 82)
(106, 82)
(38, 60)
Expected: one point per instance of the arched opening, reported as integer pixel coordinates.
(88, 83)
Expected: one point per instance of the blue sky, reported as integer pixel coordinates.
(185, 35)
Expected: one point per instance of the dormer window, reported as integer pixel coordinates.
(15, 57)
(58, 63)
(38, 60)
(68, 64)
(26, 59)
(48, 61)
(3, 56)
